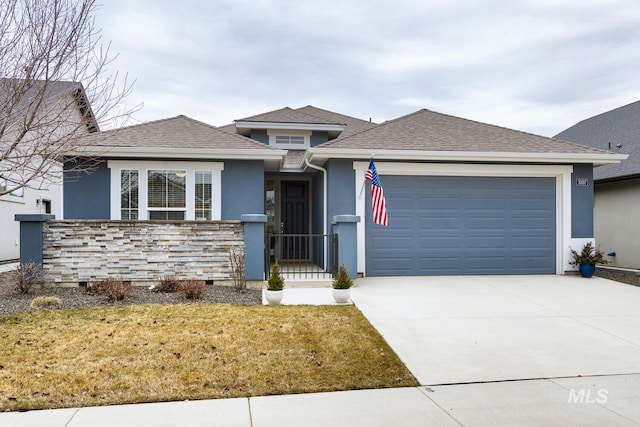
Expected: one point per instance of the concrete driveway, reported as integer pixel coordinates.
(461, 329)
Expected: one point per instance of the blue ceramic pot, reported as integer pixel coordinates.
(587, 270)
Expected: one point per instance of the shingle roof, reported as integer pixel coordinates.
(620, 126)
(352, 124)
(430, 131)
(175, 132)
(288, 115)
(34, 91)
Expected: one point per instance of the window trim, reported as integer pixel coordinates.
(143, 167)
(274, 134)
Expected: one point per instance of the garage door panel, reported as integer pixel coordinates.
(438, 243)
(464, 225)
(393, 242)
(443, 203)
(425, 224)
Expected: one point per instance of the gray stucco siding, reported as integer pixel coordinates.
(260, 135)
(242, 188)
(582, 201)
(86, 196)
(341, 192)
(318, 138)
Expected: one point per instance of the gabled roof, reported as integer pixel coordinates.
(288, 119)
(287, 115)
(48, 92)
(429, 135)
(617, 130)
(352, 124)
(175, 137)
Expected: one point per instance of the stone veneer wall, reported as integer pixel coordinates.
(624, 275)
(140, 251)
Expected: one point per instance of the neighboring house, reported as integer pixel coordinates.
(617, 186)
(463, 197)
(57, 101)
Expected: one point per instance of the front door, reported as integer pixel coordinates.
(294, 215)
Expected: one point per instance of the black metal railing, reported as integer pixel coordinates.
(302, 256)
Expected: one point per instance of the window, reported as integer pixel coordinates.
(203, 196)
(129, 194)
(18, 192)
(290, 140)
(166, 194)
(165, 190)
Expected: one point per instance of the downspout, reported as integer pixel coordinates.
(324, 199)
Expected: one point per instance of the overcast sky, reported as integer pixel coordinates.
(538, 66)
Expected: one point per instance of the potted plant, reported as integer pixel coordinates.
(275, 286)
(587, 259)
(341, 285)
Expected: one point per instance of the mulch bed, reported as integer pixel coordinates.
(11, 301)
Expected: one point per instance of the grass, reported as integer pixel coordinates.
(148, 353)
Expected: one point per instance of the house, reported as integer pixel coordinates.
(57, 104)
(617, 186)
(463, 197)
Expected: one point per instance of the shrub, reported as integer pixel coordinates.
(589, 255)
(237, 258)
(275, 282)
(342, 279)
(168, 284)
(26, 275)
(114, 289)
(192, 289)
(45, 302)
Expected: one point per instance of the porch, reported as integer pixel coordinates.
(305, 260)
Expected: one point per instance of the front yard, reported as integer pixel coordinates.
(147, 353)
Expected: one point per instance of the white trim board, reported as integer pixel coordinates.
(562, 173)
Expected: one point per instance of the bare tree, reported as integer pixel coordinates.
(54, 88)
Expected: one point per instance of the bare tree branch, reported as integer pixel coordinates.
(54, 88)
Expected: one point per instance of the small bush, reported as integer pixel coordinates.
(342, 279)
(26, 275)
(275, 282)
(114, 289)
(237, 258)
(192, 289)
(588, 255)
(168, 284)
(45, 302)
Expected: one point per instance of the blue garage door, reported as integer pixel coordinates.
(463, 225)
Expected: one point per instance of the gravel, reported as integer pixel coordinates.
(11, 301)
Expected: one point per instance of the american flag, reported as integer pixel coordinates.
(378, 204)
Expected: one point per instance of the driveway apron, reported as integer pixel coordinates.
(461, 329)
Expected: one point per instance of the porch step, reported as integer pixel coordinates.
(307, 283)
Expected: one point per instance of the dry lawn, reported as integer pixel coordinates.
(147, 353)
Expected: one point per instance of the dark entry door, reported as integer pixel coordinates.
(294, 214)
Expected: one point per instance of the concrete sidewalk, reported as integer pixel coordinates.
(593, 401)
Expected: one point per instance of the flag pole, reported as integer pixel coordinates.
(364, 182)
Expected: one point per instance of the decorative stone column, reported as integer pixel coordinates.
(31, 239)
(254, 245)
(345, 226)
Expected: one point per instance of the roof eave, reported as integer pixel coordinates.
(244, 124)
(193, 153)
(320, 155)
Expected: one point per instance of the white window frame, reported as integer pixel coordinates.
(143, 167)
(6, 183)
(273, 134)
